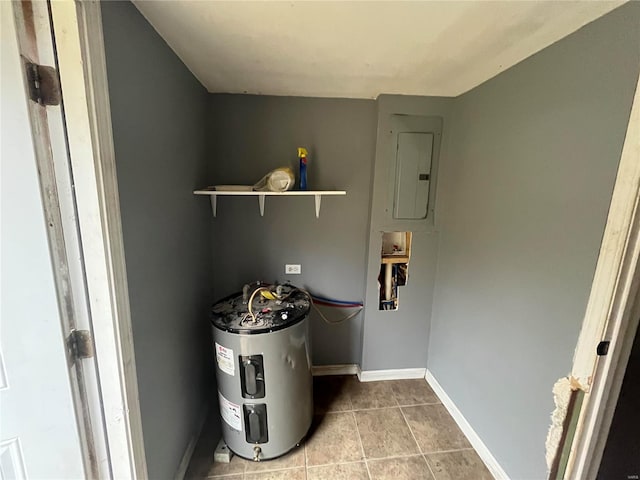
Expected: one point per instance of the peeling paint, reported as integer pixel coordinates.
(561, 430)
(561, 395)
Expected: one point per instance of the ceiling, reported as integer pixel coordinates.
(360, 49)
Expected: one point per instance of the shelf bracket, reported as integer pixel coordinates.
(317, 196)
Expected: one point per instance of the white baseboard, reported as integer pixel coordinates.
(393, 374)
(323, 370)
(191, 446)
(368, 375)
(476, 442)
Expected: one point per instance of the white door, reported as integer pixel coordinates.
(39, 434)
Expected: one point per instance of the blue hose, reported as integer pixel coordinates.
(338, 302)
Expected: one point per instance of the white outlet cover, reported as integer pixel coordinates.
(292, 269)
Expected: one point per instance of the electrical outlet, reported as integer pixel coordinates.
(292, 269)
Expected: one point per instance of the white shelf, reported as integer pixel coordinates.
(214, 194)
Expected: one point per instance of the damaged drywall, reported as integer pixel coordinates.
(567, 397)
(561, 396)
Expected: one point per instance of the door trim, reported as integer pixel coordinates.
(79, 43)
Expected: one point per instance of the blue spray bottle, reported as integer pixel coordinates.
(302, 156)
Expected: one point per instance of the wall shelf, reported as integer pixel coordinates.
(214, 194)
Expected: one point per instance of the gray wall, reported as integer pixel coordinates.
(523, 204)
(159, 112)
(397, 339)
(251, 135)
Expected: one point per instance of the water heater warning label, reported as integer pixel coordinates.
(224, 357)
(230, 413)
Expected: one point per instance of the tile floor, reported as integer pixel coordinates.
(376, 430)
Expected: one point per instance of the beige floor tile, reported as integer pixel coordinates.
(384, 433)
(344, 471)
(290, 474)
(236, 466)
(370, 416)
(294, 458)
(371, 395)
(407, 468)
(413, 392)
(434, 428)
(331, 393)
(333, 439)
(462, 465)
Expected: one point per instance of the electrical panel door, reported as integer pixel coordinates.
(413, 175)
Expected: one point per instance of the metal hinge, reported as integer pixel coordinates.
(80, 345)
(603, 348)
(43, 83)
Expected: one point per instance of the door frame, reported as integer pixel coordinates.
(613, 311)
(75, 28)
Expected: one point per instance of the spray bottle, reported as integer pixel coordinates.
(302, 156)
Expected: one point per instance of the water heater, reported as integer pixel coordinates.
(263, 369)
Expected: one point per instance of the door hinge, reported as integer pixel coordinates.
(80, 345)
(43, 83)
(603, 348)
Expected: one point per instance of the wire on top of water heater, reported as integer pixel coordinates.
(276, 294)
(249, 305)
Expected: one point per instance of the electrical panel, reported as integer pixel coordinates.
(413, 175)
